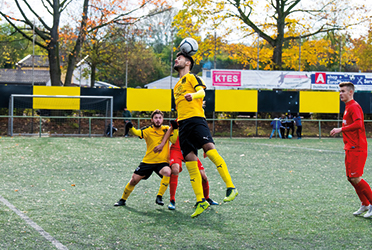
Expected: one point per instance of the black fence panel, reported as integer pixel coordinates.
(7, 90)
(120, 95)
(278, 101)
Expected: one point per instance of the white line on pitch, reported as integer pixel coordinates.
(27, 219)
(296, 147)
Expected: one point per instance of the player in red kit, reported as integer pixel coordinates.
(355, 140)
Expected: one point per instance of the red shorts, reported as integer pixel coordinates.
(177, 157)
(354, 162)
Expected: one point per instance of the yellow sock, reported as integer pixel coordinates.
(195, 179)
(163, 185)
(127, 191)
(221, 167)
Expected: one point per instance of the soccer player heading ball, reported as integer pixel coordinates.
(194, 132)
(354, 136)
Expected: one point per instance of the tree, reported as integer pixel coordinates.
(361, 51)
(281, 21)
(143, 64)
(13, 46)
(49, 34)
(159, 29)
(113, 12)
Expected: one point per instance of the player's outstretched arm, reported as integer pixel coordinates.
(200, 93)
(134, 131)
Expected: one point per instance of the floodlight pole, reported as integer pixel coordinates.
(299, 55)
(126, 66)
(171, 61)
(340, 53)
(258, 51)
(79, 65)
(33, 52)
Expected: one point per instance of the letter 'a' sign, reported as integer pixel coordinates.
(227, 78)
(320, 78)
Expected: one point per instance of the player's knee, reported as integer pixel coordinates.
(208, 146)
(175, 169)
(166, 171)
(134, 181)
(354, 180)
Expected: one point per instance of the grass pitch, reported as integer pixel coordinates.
(293, 194)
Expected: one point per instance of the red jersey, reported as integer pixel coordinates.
(176, 146)
(353, 130)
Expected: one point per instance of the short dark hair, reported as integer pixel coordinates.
(349, 85)
(188, 57)
(155, 112)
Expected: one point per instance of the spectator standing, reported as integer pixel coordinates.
(283, 125)
(276, 124)
(297, 121)
(290, 124)
(126, 114)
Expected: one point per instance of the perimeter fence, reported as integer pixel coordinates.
(97, 126)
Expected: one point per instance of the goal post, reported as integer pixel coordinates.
(60, 113)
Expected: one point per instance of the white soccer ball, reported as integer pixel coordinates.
(189, 46)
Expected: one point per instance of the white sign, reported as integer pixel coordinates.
(256, 79)
(260, 79)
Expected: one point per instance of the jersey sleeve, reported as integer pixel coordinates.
(357, 117)
(174, 136)
(356, 114)
(197, 81)
(137, 132)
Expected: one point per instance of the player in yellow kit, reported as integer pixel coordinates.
(194, 132)
(152, 162)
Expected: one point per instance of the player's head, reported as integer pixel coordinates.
(182, 61)
(157, 118)
(346, 91)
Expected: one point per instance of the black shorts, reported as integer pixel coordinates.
(146, 169)
(194, 133)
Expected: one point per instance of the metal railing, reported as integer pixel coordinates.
(239, 127)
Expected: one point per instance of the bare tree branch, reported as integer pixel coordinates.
(33, 12)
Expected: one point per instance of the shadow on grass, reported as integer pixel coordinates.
(177, 220)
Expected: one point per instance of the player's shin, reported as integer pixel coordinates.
(360, 194)
(163, 185)
(221, 167)
(206, 189)
(127, 191)
(195, 179)
(173, 187)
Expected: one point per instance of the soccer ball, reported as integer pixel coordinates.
(289, 136)
(189, 46)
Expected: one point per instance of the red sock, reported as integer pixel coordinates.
(205, 189)
(360, 194)
(173, 186)
(366, 189)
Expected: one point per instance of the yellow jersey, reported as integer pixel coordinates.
(185, 85)
(153, 137)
